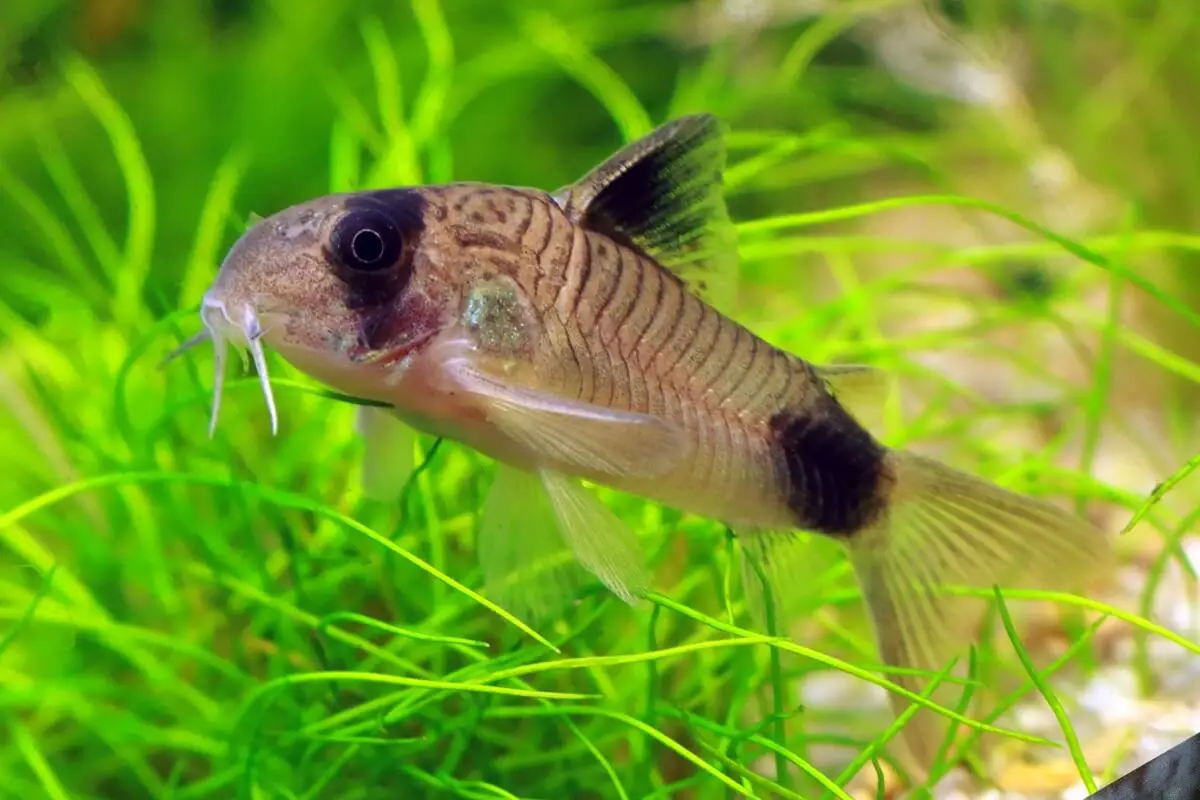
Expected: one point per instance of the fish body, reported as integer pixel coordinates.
(578, 317)
(578, 335)
(586, 319)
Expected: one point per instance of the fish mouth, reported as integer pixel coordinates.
(245, 330)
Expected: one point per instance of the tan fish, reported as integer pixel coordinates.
(577, 335)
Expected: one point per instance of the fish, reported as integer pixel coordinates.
(585, 336)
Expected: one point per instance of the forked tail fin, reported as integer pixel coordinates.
(943, 527)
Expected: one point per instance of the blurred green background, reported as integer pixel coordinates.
(185, 617)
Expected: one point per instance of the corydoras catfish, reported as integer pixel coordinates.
(578, 335)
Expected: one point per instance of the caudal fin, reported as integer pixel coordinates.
(943, 527)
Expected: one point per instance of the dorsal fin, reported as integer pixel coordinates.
(663, 195)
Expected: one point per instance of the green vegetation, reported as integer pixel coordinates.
(183, 617)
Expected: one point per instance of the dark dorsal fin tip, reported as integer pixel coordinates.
(662, 196)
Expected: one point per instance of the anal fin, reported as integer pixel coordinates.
(778, 558)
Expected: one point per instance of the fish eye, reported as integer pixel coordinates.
(367, 240)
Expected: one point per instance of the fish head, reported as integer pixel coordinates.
(344, 287)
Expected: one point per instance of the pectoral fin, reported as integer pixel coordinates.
(388, 460)
(589, 437)
(569, 433)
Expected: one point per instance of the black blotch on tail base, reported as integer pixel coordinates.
(836, 471)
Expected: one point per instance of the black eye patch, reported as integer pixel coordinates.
(371, 247)
(367, 240)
